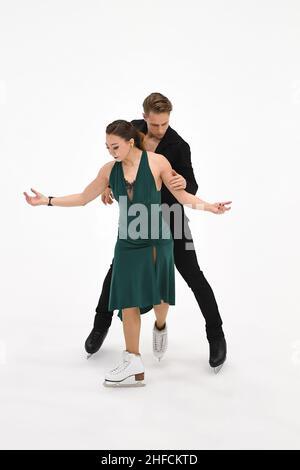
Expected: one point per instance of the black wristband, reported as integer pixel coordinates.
(49, 203)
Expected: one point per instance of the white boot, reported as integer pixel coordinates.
(129, 373)
(160, 341)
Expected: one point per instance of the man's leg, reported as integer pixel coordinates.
(187, 264)
(102, 319)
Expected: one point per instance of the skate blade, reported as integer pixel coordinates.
(159, 358)
(89, 355)
(124, 383)
(218, 368)
(135, 380)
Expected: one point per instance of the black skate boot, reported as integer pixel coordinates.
(217, 353)
(98, 334)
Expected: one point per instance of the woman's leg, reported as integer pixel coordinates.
(131, 327)
(131, 371)
(161, 312)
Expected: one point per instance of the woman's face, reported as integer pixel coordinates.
(118, 147)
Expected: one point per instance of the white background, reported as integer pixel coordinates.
(232, 72)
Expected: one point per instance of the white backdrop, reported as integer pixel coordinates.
(232, 72)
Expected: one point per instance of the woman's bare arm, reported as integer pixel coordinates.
(93, 190)
(183, 196)
(100, 183)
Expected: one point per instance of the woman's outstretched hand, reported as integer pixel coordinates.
(219, 207)
(38, 200)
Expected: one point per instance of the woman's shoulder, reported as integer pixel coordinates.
(157, 159)
(108, 166)
(106, 169)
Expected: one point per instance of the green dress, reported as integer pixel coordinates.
(143, 267)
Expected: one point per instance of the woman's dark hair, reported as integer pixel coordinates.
(127, 131)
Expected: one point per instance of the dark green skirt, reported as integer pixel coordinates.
(137, 279)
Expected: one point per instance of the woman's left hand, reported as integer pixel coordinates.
(219, 207)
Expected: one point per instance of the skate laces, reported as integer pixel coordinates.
(159, 338)
(121, 366)
(95, 334)
(159, 343)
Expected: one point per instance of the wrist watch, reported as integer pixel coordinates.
(49, 203)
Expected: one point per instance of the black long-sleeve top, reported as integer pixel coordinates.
(178, 152)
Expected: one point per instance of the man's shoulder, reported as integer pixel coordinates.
(174, 137)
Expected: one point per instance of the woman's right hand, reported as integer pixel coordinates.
(38, 200)
(107, 196)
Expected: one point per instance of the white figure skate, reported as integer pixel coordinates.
(129, 373)
(160, 341)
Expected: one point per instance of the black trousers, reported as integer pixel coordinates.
(187, 264)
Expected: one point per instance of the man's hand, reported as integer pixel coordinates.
(177, 181)
(107, 196)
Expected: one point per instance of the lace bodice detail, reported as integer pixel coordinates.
(129, 188)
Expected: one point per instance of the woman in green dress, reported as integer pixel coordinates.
(143, 267)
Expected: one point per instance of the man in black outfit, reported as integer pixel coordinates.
(161, 138)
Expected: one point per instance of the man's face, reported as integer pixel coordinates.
(157, 124)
